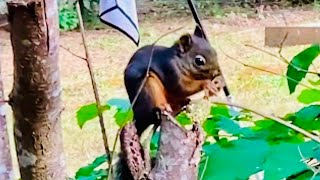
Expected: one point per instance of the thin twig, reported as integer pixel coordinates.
(282, 59)
(112, 152)
(281, 45)
(149, 65)
(260, 69)
(281, 121)
(204, 168)
(94, 85)
(72, 53)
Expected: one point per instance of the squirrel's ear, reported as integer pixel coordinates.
(198, 32)
(185, 43)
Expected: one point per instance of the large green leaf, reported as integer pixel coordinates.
(308, 118)
(300, 64)
(243, 158)
(284, 160)
(236, 161)
(88, 112)
(89, 173)
(308, 96)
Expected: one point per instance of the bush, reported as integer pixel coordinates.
(68, 19)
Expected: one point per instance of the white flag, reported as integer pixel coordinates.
(122, 15)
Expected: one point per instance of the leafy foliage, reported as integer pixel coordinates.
(123, 115)
(264, 145)
(89, 172)
(233, 150)
(68, 18)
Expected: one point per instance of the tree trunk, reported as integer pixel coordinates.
(35, 97)
(178, 156)
(6, 171)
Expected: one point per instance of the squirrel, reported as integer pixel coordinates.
(176, 72)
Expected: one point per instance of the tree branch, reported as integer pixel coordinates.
(94, 85)
(74, 54)
(259, 69)
(281, 121)
(282, 59)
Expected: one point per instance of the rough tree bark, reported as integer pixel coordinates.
(177, 158)
(6, 171)
(35, 97)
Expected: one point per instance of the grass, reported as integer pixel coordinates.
(111, 52)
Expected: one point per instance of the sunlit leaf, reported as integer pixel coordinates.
(123, 117)
(220, 110)
(89, 112)
(308, 96)
(300, 64)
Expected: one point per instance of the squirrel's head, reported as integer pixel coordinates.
(196, 55)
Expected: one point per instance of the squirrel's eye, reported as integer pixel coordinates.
(200, 60)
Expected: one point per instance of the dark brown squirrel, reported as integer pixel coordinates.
(176, 72)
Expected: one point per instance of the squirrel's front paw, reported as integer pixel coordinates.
(211, 88)
(165, 107)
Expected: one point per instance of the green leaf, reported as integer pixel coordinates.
(216, 123)
(275, 133)
(210, 127)
(299, 64)
(280, 156)
(239, 159)
(308, 118)
(89, 173)
(308, 96)
(236, 161)
(184, 119)
(123, 117)
(124, 113)
(88, 112)
(220, 110)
